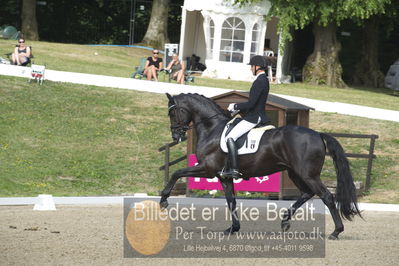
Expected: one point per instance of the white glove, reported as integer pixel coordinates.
(231, 107)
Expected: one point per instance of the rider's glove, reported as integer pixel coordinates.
(232, 107)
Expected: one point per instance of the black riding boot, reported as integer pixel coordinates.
(233, 161)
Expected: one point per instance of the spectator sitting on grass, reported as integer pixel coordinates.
(22, 54)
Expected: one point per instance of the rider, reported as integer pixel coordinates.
(254, 111)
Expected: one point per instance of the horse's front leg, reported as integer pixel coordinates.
(196, 171)
(228, 187)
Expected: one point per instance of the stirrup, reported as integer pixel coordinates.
(231, 173)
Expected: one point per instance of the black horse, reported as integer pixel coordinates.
(300, 151)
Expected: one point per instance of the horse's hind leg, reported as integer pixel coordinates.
(329, 201)
(228, 187)
(305, 196)
(321, 190)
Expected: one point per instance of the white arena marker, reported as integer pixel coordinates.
(44, 203)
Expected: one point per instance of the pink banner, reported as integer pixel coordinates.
(269, 183)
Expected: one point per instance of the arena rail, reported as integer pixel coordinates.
(169, 163)
(370, 156)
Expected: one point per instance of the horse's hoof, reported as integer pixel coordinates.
(231, 230)
(332, 237)
(164, 204)
(285, 226)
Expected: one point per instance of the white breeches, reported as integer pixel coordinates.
(240, 129)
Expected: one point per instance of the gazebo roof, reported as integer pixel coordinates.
(227, 7)
(290, 105)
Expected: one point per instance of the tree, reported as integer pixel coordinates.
(29, 22)
(367, 70)
(9, 13)
(157, 31)
(322, 66)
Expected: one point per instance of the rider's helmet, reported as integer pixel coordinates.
(258, 60)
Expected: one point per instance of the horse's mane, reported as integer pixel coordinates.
(211, 102)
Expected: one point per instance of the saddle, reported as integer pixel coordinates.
(247, 143)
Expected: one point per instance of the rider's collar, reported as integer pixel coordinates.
(260, 74)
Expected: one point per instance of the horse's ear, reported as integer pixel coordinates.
(170, 97)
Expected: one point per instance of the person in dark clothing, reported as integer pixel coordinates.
(254, 113)
(153, 65)
(22, 54)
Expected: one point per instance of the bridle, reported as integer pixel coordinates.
(181, 128)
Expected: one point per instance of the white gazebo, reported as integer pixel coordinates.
(226, 36)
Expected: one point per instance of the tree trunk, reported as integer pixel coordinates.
(29, 22)
(323, 67)
(367, 71)
(157, 32)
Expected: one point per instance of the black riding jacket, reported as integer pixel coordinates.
(255, 107)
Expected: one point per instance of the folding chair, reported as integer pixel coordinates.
(187, 75)
(139, 74)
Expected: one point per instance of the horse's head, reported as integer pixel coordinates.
(180, 119)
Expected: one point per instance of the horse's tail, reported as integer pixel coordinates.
(346, 190)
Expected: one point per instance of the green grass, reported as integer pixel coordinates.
(378, 98)
(111, 61)
(120, 62)
(68, 139)
(385, 171)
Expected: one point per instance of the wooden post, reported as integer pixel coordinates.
(166, 177)
(370, 162)
(281, 118)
